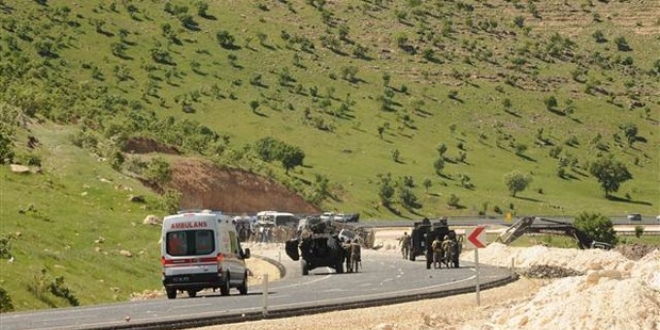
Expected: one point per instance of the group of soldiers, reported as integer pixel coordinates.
(442, 250)
(353, 250)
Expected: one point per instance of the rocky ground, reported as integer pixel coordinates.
(559, 289)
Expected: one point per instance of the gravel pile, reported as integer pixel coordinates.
(545, 271)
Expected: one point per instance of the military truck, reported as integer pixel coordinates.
(424, 233)
(317, 246)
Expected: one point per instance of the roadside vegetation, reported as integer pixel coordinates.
(394, 109)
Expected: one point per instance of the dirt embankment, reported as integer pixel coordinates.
(205, 185)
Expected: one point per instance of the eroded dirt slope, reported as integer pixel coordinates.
(207, 186)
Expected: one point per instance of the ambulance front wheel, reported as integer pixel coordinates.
(171, 293)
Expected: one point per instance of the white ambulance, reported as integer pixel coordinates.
(202, 251)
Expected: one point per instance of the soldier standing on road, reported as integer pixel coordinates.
(437, 252)
(404, 242)
(448, 248)
(346, 246)
(356, 255)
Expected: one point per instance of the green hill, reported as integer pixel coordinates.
(401, 109)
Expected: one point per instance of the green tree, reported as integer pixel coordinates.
(386, 79)
(171, 201)
(202, 9)
(427, 184)
(520, 149)
(290, 157)
(267, 148)
(386, 190)
(550, 102)
(254, 104)
(506, 103)
(407, 197)
(454, 201)
(396, 154)
(609, 173)
(622, 44)
(225, 39)
(321, 188)
(639, 231)
(381, 130)
(599, 36)
(596, 226)
(439, 165)
(6, 304)
(159, 172)
(441, 148)
(516, 182)
(630, 131)
(6, 149)
(343, 32)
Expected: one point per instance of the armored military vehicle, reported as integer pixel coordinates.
(317, 246)
(422, 236)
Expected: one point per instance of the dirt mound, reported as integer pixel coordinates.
(545, 271)
(635, 251)
(204, 185)
(143, 145)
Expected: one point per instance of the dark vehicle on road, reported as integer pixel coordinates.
(424, 233)
(317, 246)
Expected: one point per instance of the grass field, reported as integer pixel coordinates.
(365, 89)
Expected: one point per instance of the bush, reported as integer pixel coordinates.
(5, 247)
(453, 201)
(6, 149)
(596, 226)
(5, 302)
(639, 231)
(171, 201)
(159, 171)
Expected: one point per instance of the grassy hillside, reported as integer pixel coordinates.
(367, 90)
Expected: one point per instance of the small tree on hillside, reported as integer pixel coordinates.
(6, 148)
(609, 173)
(254, 104)
(439, 165)
(427, 184)
(159, 172)
(516, 182)
(550, 102)
(225, 39)
(630, 131)
(407, 197)
(385, 190)
(291, 157)
(596, 226)
(441, 149)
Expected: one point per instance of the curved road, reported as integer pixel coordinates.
(382, 279)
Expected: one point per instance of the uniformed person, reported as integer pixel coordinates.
(448, 248)
(437, 252)
(356, 255)
(404, 242)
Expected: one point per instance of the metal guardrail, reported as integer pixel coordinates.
(307, 310)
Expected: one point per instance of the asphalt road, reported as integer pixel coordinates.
(382, 276)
